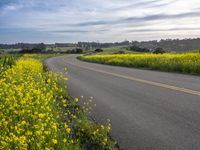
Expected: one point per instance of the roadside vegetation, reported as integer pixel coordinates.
(173, 62)
(38, 113)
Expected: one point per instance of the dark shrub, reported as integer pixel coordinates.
(98, 50)
(138, 49)
(79, 51)
(120, 52)
(159, 50)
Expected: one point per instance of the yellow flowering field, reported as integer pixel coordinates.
(30, 116)
(179, 62)
(37, 112)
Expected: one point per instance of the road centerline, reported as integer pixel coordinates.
(158, 84)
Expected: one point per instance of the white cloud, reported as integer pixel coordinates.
(104, 19)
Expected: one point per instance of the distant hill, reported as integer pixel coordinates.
(176, 45)
(171, 45)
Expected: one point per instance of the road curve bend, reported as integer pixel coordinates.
(149, 110)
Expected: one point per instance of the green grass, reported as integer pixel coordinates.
(64, 49)
(9, 50)
(4, 58)
(1, 59)
(41, 57)
(7, 61)
(112, 50)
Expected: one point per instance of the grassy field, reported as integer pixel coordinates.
(61, 48)
(41, 57)
(6, 59)
(37, 112)
(9, 50)
(182, 62)
(112, 50)
(115, 50)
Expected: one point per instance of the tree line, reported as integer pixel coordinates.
(167, 45)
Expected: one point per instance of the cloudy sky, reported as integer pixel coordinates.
(52, 21)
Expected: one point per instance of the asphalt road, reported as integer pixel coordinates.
(149, 110)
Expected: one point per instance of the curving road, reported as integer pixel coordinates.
(149, 110)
